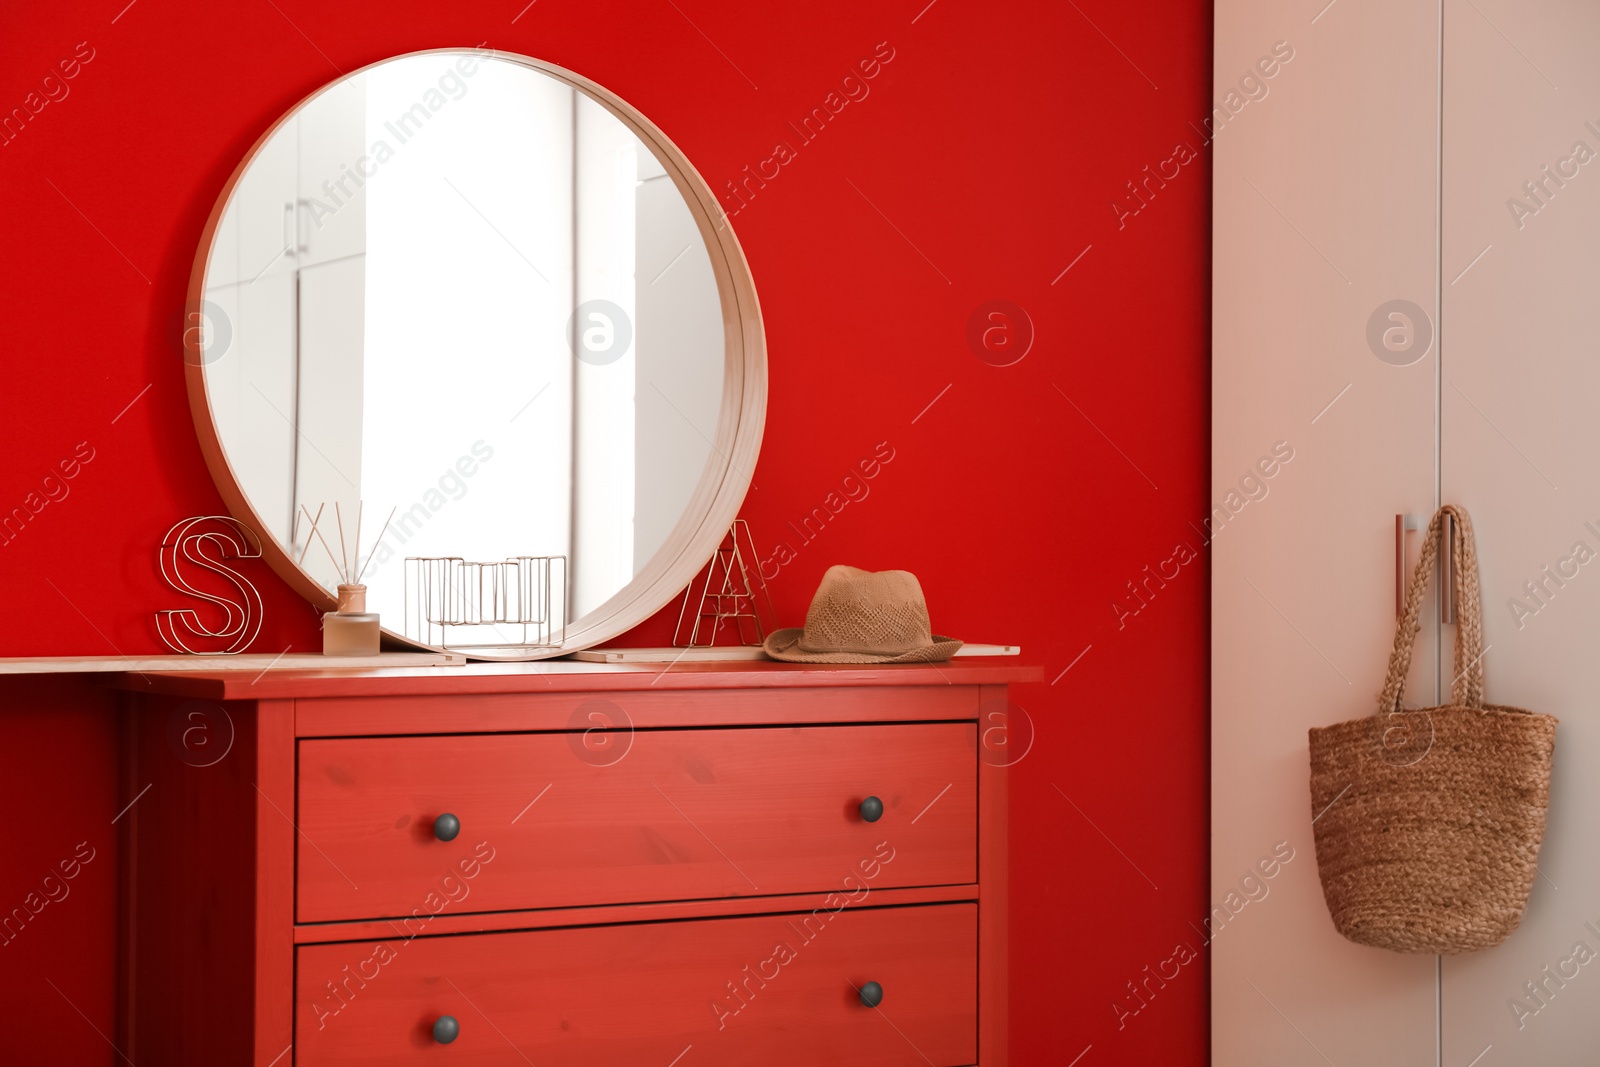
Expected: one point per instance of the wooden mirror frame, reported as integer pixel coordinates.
(722, 486)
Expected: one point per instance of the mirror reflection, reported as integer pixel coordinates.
(460, 299)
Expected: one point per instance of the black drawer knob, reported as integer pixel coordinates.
(446, 1029)
(445, 828)
(871, 994)
(872, 809)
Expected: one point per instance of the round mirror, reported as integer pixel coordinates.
(468, 330)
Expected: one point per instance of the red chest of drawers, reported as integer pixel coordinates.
(566, 865)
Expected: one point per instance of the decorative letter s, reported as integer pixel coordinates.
(184, 547)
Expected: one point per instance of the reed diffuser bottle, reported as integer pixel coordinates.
(352, 630)
(349, 630)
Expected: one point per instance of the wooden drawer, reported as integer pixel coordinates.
(548, 820)
(773, 990)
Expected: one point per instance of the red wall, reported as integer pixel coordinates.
(985, 159)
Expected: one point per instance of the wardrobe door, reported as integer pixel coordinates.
(1520, 381)
(332, 222)
(330, 369)
(260, 219)
(1325, 193)
(250, 383)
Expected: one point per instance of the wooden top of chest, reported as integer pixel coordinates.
(565, 676)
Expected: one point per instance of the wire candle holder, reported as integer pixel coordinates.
(478, 600)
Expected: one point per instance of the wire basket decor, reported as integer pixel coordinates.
(457, 603)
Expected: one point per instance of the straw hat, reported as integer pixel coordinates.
(860, 616)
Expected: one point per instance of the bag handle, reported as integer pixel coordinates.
(1467, 688)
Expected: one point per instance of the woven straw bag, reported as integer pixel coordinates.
(1428, 822)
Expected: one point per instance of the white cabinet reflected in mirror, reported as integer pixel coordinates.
(479, 294)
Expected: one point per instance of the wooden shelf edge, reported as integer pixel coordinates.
(737, 654)
(568, 676)
(294, 661)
